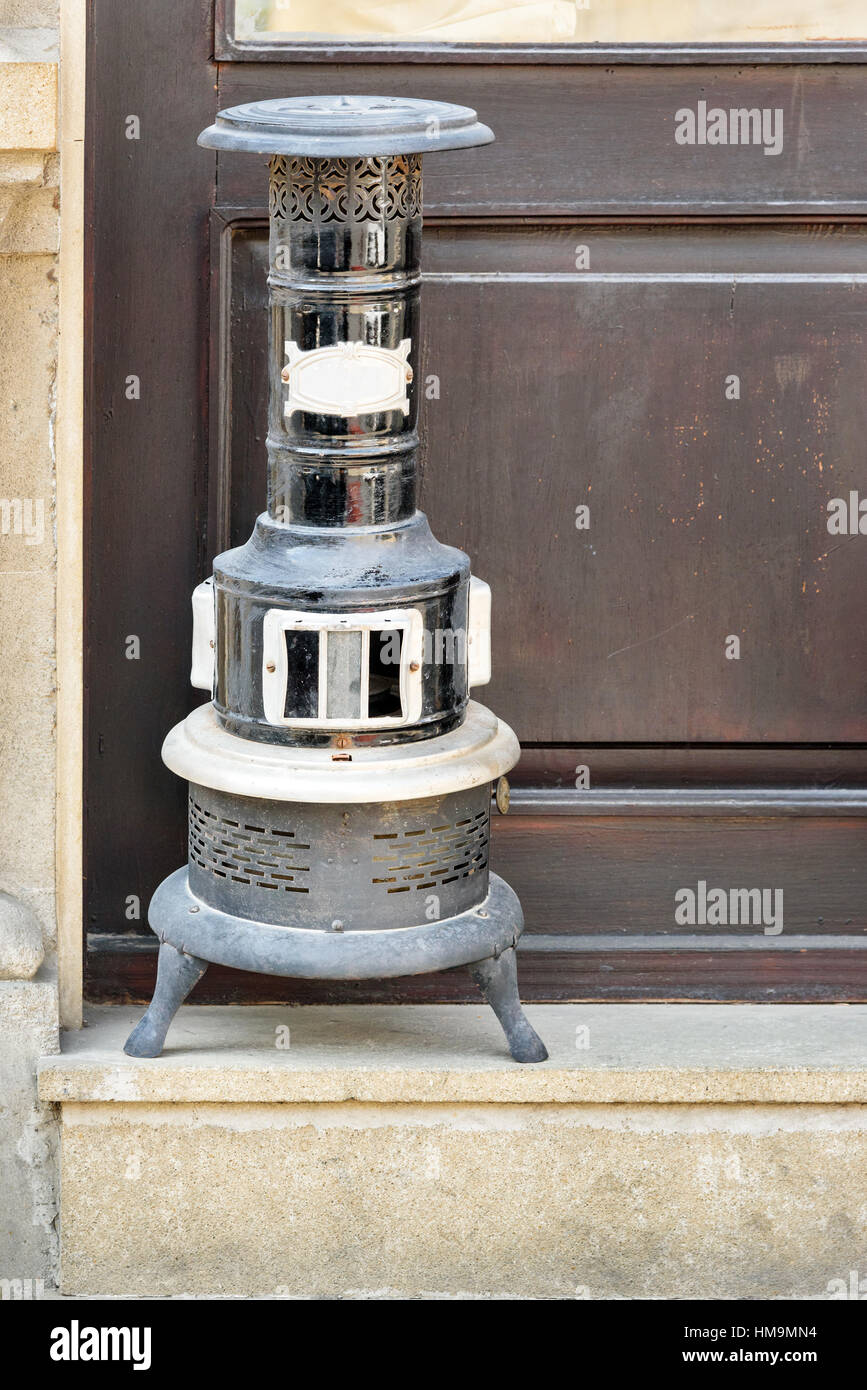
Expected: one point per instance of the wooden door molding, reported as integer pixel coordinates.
(228, 49)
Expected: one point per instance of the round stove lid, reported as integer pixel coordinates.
(340, 126)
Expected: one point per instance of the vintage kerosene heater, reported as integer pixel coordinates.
(340, 779)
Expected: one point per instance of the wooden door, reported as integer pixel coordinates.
(647, 361)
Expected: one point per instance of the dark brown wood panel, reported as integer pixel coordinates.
(578, 875)
(673, 976)
(580, 140)
(682, 976)
(615, 769)
(147, 318)
(708, 516)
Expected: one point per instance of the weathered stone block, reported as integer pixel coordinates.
(395, 1152)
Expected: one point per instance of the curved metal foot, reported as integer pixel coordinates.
(176, 975)
(497, 978)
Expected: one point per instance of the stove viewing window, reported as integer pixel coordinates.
(326, 671)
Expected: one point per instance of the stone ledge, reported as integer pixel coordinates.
(399, 1152)
(643, 1054)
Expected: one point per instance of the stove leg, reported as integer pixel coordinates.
(176, 975)
(497, 978)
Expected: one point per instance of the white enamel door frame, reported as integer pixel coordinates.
(275, 664)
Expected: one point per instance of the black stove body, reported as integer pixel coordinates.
(341, 778)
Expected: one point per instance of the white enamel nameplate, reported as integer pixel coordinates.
(347, 379)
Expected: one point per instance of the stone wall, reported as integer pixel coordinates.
(29, 243)
(29, 227)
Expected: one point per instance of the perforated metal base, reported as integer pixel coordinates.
(372, 867)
